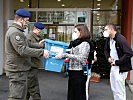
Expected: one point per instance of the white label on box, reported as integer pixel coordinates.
(56, 49)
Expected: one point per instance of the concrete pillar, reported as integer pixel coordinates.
(6, 13)
(131, 74)
(1, 37)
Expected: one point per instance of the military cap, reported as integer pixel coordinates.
(23, 13)
(39, 25)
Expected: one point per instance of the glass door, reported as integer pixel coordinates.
(59, 32)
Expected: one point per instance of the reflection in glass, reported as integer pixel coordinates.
(102, 17)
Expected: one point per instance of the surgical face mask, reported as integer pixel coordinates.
(40, 33)
(74, 36)
(106, 34)
(26, 25)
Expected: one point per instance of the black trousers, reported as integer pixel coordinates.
(76, 85)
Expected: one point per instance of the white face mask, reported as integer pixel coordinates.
(74, 36)
(24, 24)
(106, 34)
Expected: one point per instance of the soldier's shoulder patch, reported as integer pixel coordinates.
(18, 37)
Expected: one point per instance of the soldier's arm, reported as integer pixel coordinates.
(34, 45)
(20, 44)
(31, 42)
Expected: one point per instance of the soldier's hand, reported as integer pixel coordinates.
(46, 54)
(41, 43)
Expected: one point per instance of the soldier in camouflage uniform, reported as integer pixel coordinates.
(18, 56)
(33, 84)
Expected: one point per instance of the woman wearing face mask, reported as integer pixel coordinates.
(79, 52)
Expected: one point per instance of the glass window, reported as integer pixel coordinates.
(101, 18)
(103, 12)
(57, 16)
(33, 18)
(82, 17)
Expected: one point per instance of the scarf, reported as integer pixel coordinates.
(77, 42)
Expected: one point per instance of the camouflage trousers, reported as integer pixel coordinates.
(33, 85)
(17, 85)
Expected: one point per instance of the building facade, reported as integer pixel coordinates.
(120, 13)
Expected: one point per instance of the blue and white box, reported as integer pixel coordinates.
(54, 47)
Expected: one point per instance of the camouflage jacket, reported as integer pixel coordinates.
(33, 39)
(17, 51)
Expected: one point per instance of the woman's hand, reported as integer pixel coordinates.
(59, 56)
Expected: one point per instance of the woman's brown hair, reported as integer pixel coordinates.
(84, 31)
